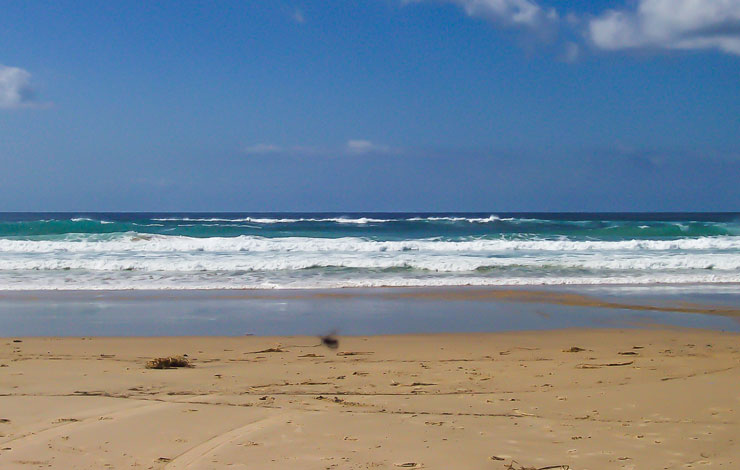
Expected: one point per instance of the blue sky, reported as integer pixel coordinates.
(370, 105)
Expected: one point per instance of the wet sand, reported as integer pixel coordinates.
(358, 311)
(588, 399)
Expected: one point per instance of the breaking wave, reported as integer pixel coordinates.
(225, 251)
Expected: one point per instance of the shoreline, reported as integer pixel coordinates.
(354, 312)
(684, 286)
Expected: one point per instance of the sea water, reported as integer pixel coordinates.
(147, 251)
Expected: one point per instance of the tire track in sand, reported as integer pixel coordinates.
(207, 448)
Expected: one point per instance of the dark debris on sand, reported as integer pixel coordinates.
(170, 362)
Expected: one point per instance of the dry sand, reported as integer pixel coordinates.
(631, 399)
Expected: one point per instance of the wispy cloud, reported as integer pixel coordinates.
(571, 52)
(298, 16)
(360, 146)
(515, 13)
(670, 24)
(15, 88)
(352, 147)
(263, 149)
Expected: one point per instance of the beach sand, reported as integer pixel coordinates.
(652, 398)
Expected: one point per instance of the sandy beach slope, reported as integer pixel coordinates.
(623, 399)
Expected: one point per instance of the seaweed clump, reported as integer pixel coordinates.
(170, 362)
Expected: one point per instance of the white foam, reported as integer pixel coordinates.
(433, 262)
(262, 220)
(146, 261)
(231, 282)
(339, 220)
(478, 220)
(82, 219)
(163, 243)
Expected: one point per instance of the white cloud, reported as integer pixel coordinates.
(639, 24)
(359, 146)
(519, 13)
(15, 87)
(670, 24)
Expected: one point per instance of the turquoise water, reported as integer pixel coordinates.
(274, 251)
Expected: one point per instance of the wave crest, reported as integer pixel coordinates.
(135, 242)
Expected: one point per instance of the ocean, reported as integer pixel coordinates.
(189, 251)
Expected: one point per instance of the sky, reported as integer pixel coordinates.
(370, 105)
